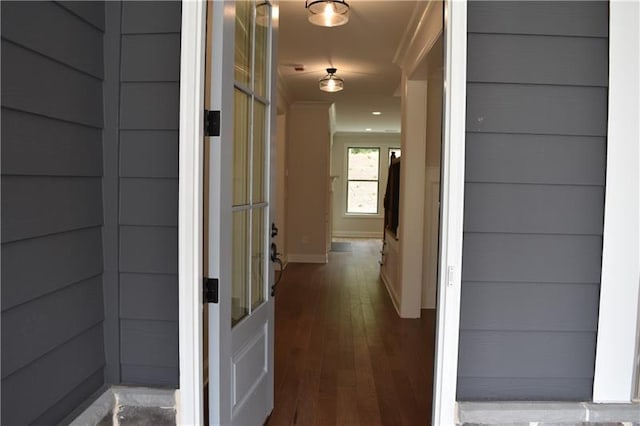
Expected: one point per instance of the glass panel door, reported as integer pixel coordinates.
(250, 196)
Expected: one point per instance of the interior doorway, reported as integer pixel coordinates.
(451, 206)
(343, 353)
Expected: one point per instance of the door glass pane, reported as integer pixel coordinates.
(244, 35)
(363, 163)
(259, 133)
(263, 21)
(240, 273)
(362, 197)
(257, 258)
(241, 148)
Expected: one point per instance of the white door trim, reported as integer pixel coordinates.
(619, 288)
(190, 213)
(452, 213)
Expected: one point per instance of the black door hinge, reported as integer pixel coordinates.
(211, 123)
(211, 290)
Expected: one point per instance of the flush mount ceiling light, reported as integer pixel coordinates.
(331, 82)
(327, 13)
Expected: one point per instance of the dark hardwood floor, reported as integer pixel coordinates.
(342, 354)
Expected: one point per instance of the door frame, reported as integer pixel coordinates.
(618, 248)
(618, 339)
(451, 212)
(190, 395)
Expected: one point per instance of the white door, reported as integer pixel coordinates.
(241, 329)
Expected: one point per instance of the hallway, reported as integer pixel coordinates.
(342, 354)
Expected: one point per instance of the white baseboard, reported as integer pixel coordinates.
(307, 258)
(392, 293)
(356, 234)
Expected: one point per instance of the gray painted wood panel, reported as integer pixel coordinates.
(68, 149)
(542, 159)
(148, 202)
(151, 57)
(529, 306)
(72, 400)
(573, 61)
(67, 258)
(518, 108)
(135, 157)
(49, 321)
(34, 83)
(149, 106)
(150, 375)
(542, 209)
(149, 249)
(149, 297)
(90, 11)
(534, 189)
(59, 35)
(35, 389)
(563, 18)
(148, 343)
(524, 389)
(508, 354)
(41, 205)
(52, 66)
(110, 182)
(146, 147)
(136, 17)
(531, 258)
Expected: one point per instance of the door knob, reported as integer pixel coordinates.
(275, 258)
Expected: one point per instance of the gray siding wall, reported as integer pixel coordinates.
(141, 191)
(535, 166)
(52, 119)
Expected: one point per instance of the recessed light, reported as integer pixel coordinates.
(376, 113)
(368, 129)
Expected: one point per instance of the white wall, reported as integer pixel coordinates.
(308, 141)
(281, 188)
(350, 225)
(432, 176)
(412, 174)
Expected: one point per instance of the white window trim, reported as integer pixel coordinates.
(380, 209)
(190, 398)
(619, 288)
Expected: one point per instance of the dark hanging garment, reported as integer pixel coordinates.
(392, 196)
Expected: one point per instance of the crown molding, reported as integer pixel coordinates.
(425, 27)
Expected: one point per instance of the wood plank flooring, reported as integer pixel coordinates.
(342, 354)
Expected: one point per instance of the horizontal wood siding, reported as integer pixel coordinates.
(52, 119)
(70, 149)
(536, 128)
(146, 191)
(135, 160)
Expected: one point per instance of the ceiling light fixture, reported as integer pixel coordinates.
(327, 13)
(331, 82)
(376, 113)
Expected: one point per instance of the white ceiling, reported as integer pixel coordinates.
(362, 51)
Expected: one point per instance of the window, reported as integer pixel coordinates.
(395, 151)
(363, 165)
